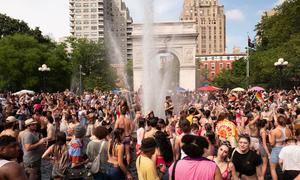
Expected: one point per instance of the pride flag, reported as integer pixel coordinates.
(259, 97)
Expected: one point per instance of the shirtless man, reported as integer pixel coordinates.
(9, 150)
(126, 124)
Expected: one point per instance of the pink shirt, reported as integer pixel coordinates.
(194, 170)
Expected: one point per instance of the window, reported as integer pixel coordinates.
(206, 66)
(94, 27)
(94, 22)
(77, 10)
(228, 65)
(78, 5)
(93, 10)
(78, 28)
(93, 5)
(212, 66)
(85, 10)
(212, 75)
(93, 16)
(94, 33)
(86, 16)
(85, 22)
(78, 16)
(77, 22)
(221, 66)
(85, 4)
(85, 27)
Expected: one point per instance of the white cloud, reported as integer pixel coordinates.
(235, 15)
(279, 2)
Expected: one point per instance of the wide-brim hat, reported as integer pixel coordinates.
(148, 144)
(30, 121)
(10, 119)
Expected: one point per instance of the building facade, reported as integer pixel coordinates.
(211, 65)
(210, 19)
(103, 20)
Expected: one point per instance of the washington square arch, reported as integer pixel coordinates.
(174, 45)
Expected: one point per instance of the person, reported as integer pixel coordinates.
(9, 149)
(117, 169)
(9, 127)
(55, 153)
(50, 130)
(185, 127)
(76, 153)
(246, 162)
(277, 139)
(126, 124)
(163, 156)
(140, 132)
(97, 145)
(194, 166)
(152, 124)
(289, 157)
(32, 147)
(145, 166)
(168, 107)
(263, 145)
(226, 167)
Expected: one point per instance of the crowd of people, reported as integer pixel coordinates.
(106, 136)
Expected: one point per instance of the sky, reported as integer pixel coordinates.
(52, 16)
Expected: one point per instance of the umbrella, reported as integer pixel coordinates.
(238, 89)
(180, 89)
(256, 88)
(24, 91)
(209, 88)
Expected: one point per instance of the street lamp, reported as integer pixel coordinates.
(43, 69)
(280, 64)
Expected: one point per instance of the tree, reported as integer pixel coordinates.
(20, 57)
(279, 37)
(10, 26)
(91, 56)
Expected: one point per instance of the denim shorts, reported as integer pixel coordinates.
(275, 155)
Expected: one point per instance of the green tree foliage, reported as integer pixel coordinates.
(10, 26)
(20, 58)
(96, 70)
(279, 37)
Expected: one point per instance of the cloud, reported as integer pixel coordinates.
(235, 15)
(279, 2)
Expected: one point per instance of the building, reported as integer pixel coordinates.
(211, 65)
(210, 19)
(98, 19)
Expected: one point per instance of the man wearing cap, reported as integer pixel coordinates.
(9, 127)
(145, 166)
(32, 147)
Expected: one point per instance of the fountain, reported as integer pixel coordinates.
(158, 67)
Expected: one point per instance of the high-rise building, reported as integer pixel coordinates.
(210, 19)
(95, 19)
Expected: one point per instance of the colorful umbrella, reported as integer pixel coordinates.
(209, 88)
(256, 88)
(238, 89)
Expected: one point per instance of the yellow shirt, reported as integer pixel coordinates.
(190, 119)
(146, 168)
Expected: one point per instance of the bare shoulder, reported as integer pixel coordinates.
(13, 171)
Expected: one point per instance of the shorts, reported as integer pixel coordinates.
(275, 155)
(254, 143)
(262, 151)
(127, 140)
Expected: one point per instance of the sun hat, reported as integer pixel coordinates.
(30, 121)
(10, 119)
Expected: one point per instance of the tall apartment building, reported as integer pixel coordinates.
(92, 19)
(210, 19)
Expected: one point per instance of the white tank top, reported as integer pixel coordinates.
(3, 162)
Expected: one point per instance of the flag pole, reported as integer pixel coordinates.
(248, 65)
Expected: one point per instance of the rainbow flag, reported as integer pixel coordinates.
(259, 97)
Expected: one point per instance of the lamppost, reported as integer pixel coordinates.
(43, 69)
(280, 64)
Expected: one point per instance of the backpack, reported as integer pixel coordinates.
(96, 164)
